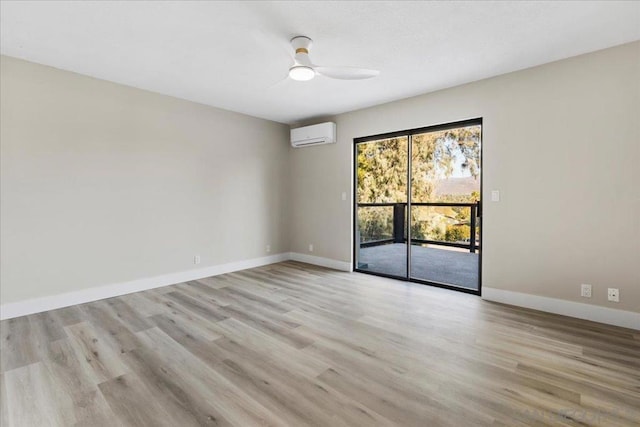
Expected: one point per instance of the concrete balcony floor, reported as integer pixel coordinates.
(433, 264)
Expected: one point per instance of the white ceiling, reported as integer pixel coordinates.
(235, 55)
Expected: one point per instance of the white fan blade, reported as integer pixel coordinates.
(346, 73)
(278, 83)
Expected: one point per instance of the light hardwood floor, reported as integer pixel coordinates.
(291, 344)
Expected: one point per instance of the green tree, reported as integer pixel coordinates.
(382, 164)
(456, 233)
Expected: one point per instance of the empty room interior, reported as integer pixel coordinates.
(292, 213)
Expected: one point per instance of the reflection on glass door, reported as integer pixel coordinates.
(381, 200)
(417, 205)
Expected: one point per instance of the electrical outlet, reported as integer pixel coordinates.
(585, 291)
(613, 294)
(268, 248)
(196, 259)
(310, 247)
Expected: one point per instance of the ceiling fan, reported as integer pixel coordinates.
(303, 69)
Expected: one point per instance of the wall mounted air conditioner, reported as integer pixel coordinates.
(323, 133)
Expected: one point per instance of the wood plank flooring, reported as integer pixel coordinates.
(293, 345)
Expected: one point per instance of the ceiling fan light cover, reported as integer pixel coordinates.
(301, 73)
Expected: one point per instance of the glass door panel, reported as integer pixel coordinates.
(381, 206)
(445, 197)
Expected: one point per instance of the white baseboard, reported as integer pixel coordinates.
(37, 305)
(322, 262)
(596, 313)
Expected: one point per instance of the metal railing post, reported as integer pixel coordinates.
(398, 223)
(472, 234)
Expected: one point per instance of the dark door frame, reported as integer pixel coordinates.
(409, 133)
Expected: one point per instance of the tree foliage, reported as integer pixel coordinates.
(382, 171)
(382, 164)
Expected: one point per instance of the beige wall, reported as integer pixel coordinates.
(561, 143)
(103, 183)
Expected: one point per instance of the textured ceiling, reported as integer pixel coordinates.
(235, 55)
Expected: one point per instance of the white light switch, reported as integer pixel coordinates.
(344, 195)
(495, 195)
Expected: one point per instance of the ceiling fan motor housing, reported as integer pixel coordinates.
(301, 44)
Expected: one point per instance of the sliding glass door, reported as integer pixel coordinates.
(417, 210)
(381, 233)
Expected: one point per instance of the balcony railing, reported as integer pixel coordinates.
(399, 232)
